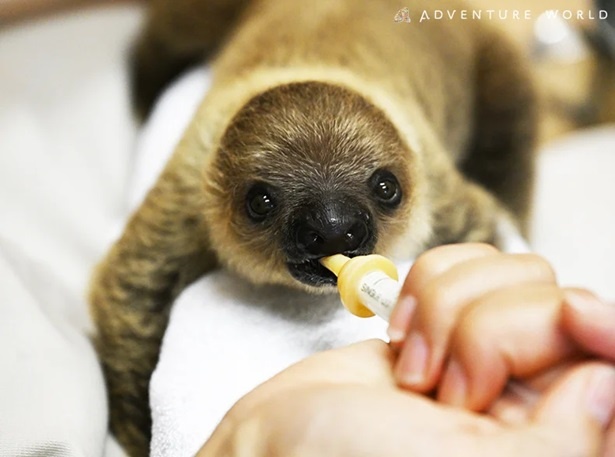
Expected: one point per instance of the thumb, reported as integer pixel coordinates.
(575, 412)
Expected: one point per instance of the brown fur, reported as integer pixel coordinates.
(310, 96)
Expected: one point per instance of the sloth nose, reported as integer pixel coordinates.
(331, 232)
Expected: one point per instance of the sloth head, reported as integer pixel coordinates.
(304, 171)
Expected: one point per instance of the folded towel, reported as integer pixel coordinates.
(226, 336)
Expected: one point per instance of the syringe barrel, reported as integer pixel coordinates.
(379, 293)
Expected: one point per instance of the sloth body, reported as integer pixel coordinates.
(328, 128)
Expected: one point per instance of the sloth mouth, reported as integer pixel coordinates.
(312, 273)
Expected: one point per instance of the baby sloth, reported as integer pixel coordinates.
(307, 170)
(329, 128)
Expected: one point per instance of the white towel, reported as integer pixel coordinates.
(225, 338)
(225, 335)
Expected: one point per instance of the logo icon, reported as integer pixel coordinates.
(403, 15)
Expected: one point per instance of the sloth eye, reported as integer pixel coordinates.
(385, 188)
(259, 202)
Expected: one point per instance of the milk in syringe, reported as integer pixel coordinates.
(368, 284)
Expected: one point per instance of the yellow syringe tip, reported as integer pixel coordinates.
(350, 273)
(334, 263)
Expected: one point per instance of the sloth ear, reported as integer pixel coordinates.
(164, 247)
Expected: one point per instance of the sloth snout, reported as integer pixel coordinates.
(332, 230)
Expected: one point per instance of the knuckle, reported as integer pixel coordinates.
(427, 263)
(436, 300)
(540, 267)
(476, 327)
(483, 248)
(433, 261)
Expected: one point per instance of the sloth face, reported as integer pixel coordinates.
(304, 171)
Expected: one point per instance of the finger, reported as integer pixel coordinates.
(590, 321)
(520, 397)
(514, 405)
(400, 319)
(428, 266)
(509, 332)
(444, 298)
(609, 445)
(578, 409)
(568, 421)
(438, 260)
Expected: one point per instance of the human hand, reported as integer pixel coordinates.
(345, 403)
(470, 317)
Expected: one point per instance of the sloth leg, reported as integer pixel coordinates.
(161, 250)
(177, 34)
(501, 157)
(462, 210)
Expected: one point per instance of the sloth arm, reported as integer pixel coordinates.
(163, 248)
(502, 155)
(461, 210)
(176, 35)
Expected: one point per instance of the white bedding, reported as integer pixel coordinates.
(66, 152)
(66, 158)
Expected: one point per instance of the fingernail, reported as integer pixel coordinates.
(400, 319)
(454, 389)
(601, 395)
(586, 302)
(396, 335)
(414, 363)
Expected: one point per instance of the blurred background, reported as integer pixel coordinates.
(67, 148)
